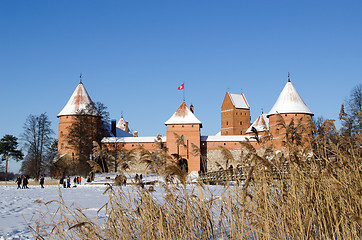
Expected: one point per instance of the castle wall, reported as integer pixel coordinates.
(278, 132)
(65, 122)
(191, 133)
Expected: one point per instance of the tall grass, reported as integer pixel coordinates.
(318, 196)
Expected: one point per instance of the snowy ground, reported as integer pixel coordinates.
(17, 206)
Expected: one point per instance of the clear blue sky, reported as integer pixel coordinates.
(134, 55)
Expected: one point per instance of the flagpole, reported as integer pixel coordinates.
(183, 91)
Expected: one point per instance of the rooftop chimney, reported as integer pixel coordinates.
(192, 108)
(113, 128)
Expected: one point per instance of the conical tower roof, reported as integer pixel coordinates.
(77, 102)
(183, 115)
(289, 101)
(261, 124)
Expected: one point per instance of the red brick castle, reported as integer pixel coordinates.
(235, 127)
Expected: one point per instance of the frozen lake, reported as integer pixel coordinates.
(20, 205)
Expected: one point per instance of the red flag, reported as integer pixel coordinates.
(181, 87)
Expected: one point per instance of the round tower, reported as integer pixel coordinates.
(79, 105)
(290, 106)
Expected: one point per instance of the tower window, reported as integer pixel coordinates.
(183, 126)
(227, 123)
(286, 114)
(241, 123)
(241, 133)
(236, 113)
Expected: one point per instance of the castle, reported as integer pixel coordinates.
(235, 127)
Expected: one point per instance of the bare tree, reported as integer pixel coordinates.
(37, 141)
(351, 114)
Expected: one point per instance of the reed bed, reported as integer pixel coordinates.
(319, 196)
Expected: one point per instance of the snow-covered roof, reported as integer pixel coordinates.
(121, 124)
(121, 133)
(78, 101)
(261, 124)
(131, 139)
(183, 115)
(226, 138)
(239, 100)
(289, 101)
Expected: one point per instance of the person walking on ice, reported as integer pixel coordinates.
(18, 181)
(41, 181)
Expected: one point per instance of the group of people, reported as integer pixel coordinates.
(65, 181)
(24, 180)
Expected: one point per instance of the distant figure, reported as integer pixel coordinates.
(140, 178)
(42, 181)
(88, 179)
(79, 180)
(25, 182)
(18, 181)
(136, 178)
(75, 180)
(68, 182)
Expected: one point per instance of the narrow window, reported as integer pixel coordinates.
(241, 133)
(227, 123)
(241, 123)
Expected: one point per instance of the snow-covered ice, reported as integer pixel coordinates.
(18, 206)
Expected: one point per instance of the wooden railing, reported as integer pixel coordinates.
(238, 174)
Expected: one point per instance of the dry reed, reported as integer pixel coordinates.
(315, 196)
